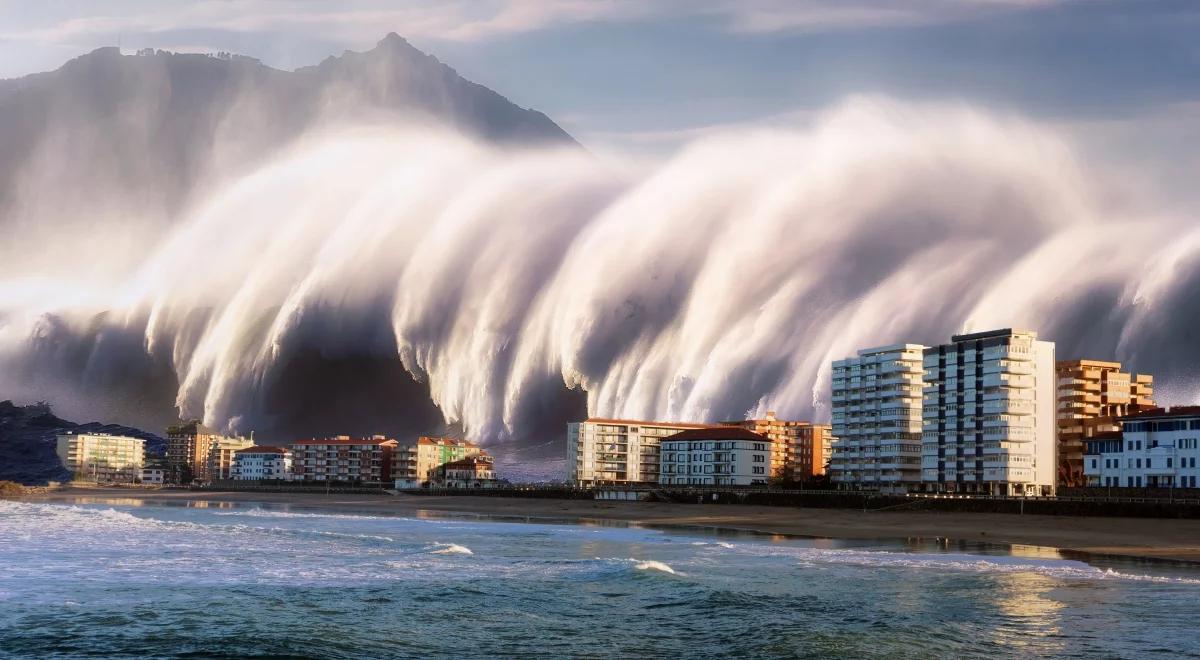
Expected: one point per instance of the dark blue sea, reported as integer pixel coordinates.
(264, 580)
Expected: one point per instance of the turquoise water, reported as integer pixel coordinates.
(148, 581)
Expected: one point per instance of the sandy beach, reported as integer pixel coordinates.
(1142, 538)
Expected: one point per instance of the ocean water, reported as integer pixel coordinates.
(249, 580)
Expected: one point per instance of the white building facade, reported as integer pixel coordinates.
(718, 456)
(1155, 449)
(102, 458)
(613, 451)
(876, 405)
(262, 463)
(989, 415)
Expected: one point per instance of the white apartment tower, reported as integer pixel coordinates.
(989, 415)
(876, 404)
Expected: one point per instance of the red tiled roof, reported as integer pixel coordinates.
(263, 449)
(426, 440)
(345, 441)
(468, 463)
(638, 422)
(718, 433)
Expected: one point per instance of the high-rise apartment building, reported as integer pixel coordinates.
(190, 449)
(799, 450)
(1092, 395)
(989, 415)
(343, 458)
(101, 457)
(617, 450)
(876, 409)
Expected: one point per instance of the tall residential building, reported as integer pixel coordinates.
(189, 452)
(1091, 396)
(417, 464)
(800, 450)
(1156, 448)
(989, 415)
(715, 456)
(343, 458)
(221, 453)
(876, 407)
(617, 450)
(262, 463)
(101, 457)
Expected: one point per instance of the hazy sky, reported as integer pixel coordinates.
(649, 74)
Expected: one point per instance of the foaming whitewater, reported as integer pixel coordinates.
(719, 282)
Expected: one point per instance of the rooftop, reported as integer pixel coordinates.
(640, 422)
(1155, 413)
(347, 440)
(718, 433)
(264, 449)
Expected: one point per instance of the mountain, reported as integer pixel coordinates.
(28, 439)
(119, 135)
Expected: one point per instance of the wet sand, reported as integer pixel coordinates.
(1142, 538)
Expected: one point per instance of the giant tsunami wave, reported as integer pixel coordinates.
(715, 283)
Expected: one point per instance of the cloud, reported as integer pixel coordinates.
(773, 16)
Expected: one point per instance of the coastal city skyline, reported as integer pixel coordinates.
(471, 328)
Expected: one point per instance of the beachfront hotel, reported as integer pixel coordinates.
(416, 465)
(261, 463)
(1156, 448)
(800, 450)
(343, 458)
(614, 451)
(876, 407)
(716, 456)
(190, 452)
(102, 458)
(1092, 395)
(989, 415)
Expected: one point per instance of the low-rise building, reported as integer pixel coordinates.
(1092, 396)
(801, 449)
(617, 451)
(472, 472)
(343, 458)
(1157, 448)
(102, 458)
(262, 463)
(416, 465)
(715, 456)
(220, 457)
(154, 471)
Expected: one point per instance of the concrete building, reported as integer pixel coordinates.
(1092, 395)
(154, 471)
(190, 448)
(1157, 448)
(715, 456)
(613, 451)
(989, 415)
(221, 454)
(262, 464)
(417, 464)
(876, 407)
(343, 458)
(801, 449)
(102, 458)
(472, 472)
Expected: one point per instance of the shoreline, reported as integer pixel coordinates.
(1172, 540)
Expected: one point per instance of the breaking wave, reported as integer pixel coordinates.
(718, 283)
(452, 549)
